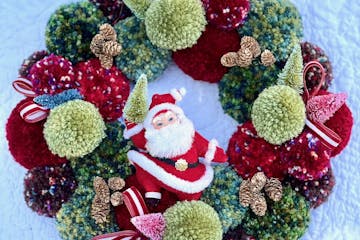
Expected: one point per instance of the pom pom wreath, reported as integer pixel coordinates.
(249, 154)
(315, 191)
(202, 61)
(74, 221)
(239, 88)
(114, 10)
(278, 114)
(226, 14)
(50, 102)
(108, 160)
(26, 141)
(223, 196)
(51, 75)
(47, 188)
(285, 219)
(275, 24)
(305, 157)
(108, 89)
(30, 61)
(138, 7)
(192, 220)
(237, 234)
(71, 28)
(139, 55)
(311, 52)
(175, 24)
(74, 129)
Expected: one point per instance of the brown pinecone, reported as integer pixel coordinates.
(102, 189)
(229, 59)
(258, 182)
(111, 48)
(99, 210)
(245, 194)
(116, 183)
(273, 189)
(96, 45)
(106, 61)
(267, 58)
(108, 32)
(258, 205)
(244, 58)
(251, 44)
(117, 199)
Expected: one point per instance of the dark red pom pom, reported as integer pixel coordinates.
(114, 10)
(237, 234)
(108, 89)
(202, 61)
(122, 214)
(52, 75)
(27, 143)
(226, 14)
(47, 188)
(30, 61)
(251, 154)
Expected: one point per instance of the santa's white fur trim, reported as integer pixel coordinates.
(210, 153)
(164, 106)
(156, 195)
(169, 179)
(178, 94)
(128, 133)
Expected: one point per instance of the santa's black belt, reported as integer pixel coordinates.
(180, 164)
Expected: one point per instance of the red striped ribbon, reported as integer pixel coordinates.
(32, 112)
(24, 86)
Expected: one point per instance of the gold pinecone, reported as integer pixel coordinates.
(229, 59)
(267, 58)
(116, 183)
(106, 61)
(251, 44)
(117, 199)
(101, 189)
(244, 58)
(273, 189)
(258, 205)
(111, 48)
(99, 210)
(258, 182)
(245, 194)
(96, 45)
(108, 32)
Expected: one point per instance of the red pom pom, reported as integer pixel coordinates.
(305, 157)
(251, 154)
(122, 214)
(114, 10)
(202, 61)
(27, 143)
(51, 75)
(226, 14)
(107, 89)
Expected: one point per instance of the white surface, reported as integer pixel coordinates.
(333, 25)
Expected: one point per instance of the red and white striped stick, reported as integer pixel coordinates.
(24, 86)
(329, 137)
(32, 112)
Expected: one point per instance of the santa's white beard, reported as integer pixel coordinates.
(170, 141)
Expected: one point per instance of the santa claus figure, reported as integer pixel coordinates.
(169, 150)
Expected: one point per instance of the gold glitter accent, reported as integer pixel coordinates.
(181, 165)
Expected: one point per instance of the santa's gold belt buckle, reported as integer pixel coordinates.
(181, 165)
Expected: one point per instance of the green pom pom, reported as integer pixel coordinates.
(108, 160)
(193, 220)
(239, 88)
(278, 114)
(74, 221)
(138, 7)
(139, 55)
(223, 196)
(175, 24)
(275, 24)
(71, 28)
(74, 129)
(286, 219)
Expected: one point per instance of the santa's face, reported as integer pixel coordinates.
(169, 135)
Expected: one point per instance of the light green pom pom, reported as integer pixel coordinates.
(138, 7)
(74, 129)
(193, 220)
(278, 114)
(175, 24)
(292, 74)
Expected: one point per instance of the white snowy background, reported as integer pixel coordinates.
(333, 25)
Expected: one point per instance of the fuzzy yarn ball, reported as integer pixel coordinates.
(26, 141)
(223, 196)
(30, 61)
(192, 220)
(275, 24)
(139, 55)
(74, 129)
(249, 154)
(239, 88)
(175, 24)
(71, 28)
(312, 52)
(108, 160)
(202, 61)
(114, 10)
(107, 89)
(226, 14)
(285, 219)
(305, 157)
(315, 191)
(278, 114)
(47, 188)
(51, 75)
(51, 101)
(74, 221)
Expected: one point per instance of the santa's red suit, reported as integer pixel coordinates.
(177, 170)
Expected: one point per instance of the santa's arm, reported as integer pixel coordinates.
(209, 150)
(136, 133)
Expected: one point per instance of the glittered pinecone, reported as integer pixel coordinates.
(108, 32)
(100, 209)
(111, 48)
(116, 199)
(229, 59)
(267, 58)
(244, 58)
(258, 181)
(116, 183)
(273, 189)
(96, 45)
(251, 44)
(102, 189)
(245, 193)
(258, 205)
